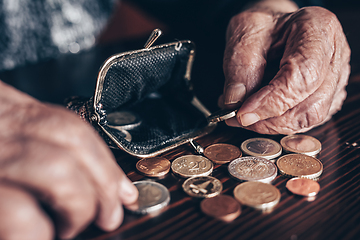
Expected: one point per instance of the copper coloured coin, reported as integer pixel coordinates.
(222, 207)
(153, 167)
(303, 186)
(222, 153)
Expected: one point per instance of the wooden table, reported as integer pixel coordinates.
(334, 214)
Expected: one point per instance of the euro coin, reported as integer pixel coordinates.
(222, 115)
(222, 207)
(303, 186)
(152, 197)
(153, 167)
(222, 153)
(124, 120)
(303, 144)
(261, 147)
(255, 169)
(192, 166)
(202, 187)
(257, 195)
(300, 165)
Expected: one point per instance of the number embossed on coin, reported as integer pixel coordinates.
(261, 147)
(257, 195)
(222, 153)
(301, 144)
(191, 166)
(222, 207)
(253, 169)
(300, 165)
(202, 186)
(153, 167)
(153, 197)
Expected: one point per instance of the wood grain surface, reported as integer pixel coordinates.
(334, 214)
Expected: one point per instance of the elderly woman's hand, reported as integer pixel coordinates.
(313, 73)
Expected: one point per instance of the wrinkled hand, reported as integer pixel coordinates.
(310, 84)
(50, 159)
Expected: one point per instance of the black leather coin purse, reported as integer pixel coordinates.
(150, 88)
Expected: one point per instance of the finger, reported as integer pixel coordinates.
(249, 40)
(303, 68)
(112, 186)
(313, 111)
(21, 217)
(97, 161)
(54, 177)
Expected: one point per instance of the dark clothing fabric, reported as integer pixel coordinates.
(31, 30)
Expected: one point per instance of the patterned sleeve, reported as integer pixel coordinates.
(33, 30)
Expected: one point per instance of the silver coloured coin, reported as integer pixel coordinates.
(222, 115)
(153, 197)
(253, 169)
(262, 147)
(123, 120)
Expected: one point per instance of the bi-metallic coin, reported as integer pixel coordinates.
(261, 147)
(303, 144)
(300, 165)
(153, 167)
(222, 153)
(258, 195)
(202, 187)
(152, 198)
(254, 169)
(191, 166)
(222, 207)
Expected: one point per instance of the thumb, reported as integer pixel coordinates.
(248, 42)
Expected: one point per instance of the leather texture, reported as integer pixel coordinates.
(152, 84)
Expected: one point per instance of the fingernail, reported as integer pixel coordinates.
(235, 93)
(127, 187)
(249, 118)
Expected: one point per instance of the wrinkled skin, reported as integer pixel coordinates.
(49, 157)
(313, 73)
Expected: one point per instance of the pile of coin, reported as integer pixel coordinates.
(263, 159)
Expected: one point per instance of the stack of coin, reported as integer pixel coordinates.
(222, 153)
(192, 166)
(202, 186)
(222, 207)
(153, 167)
(301, 144)
(253, 169)
(257, 195)
(300, 165)
(153, 197)
(261, 147)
